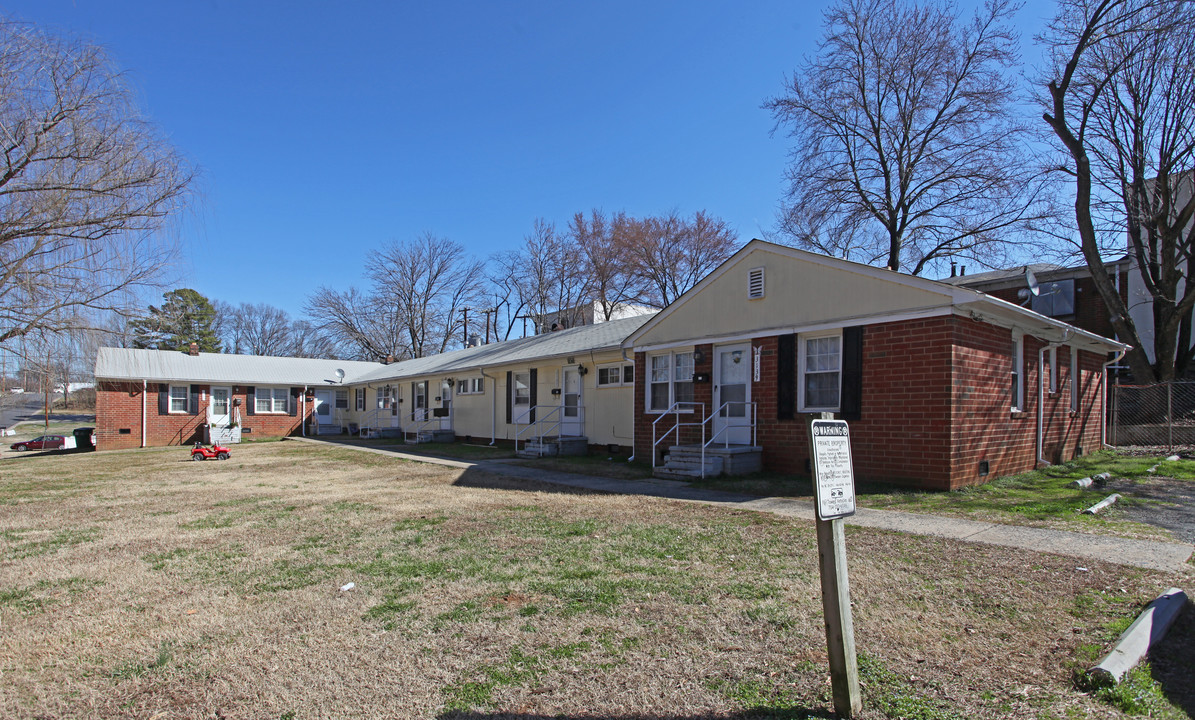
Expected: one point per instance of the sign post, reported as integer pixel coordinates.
(834, 490)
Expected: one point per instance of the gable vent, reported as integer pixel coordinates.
(755, 283)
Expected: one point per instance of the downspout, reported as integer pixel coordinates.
(1104, 396)
(1041, 396)
(633, 391)
(144, 392)
(303, 412)
(493, 406)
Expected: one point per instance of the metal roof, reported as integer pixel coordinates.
(165, 366)
(574, 341)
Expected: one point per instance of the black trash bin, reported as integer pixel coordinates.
(84, 439)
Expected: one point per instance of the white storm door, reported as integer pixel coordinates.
(732, 393)
(221, 407)
(323, 407)
(572, 415)
(445, 406)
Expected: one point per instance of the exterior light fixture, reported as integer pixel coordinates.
(582, 370)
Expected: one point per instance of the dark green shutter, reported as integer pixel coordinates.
(194, 399)
(250, 400)
(510, 390)
(533, 394)
(852, 373)
(163, 399)
(786, 377)
(292, 404)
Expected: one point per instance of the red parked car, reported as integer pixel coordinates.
(45, 442)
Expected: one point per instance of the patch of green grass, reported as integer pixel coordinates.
(388, 611)
(44, 593)
(262, 512)
(291, 575)
(465, 612)
(892, 695)
(54, 543)
(1137, 694)
(517, 669)
(137, 668)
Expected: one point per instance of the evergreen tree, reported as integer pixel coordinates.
(185, 317)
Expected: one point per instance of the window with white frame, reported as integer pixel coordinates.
(360, 400)
(342, 399)
(385, 397)
(522, 389)
(820, 371)
(1076, 386)
(180, 398)
(615, 375)
(1018, 364)
(670, 380)
(270, 400)
(470, 386)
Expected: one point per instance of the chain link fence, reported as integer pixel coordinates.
(1158, 415)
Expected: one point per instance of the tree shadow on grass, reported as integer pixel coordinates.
(1172, 661)
(758, 714)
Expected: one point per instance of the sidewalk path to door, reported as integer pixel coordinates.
(1148, 554)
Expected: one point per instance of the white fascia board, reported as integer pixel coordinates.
(936, 311)
(1005, 314)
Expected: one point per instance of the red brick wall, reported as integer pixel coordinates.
(936, 401)
(118, 405)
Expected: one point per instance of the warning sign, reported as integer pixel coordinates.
(833, 473)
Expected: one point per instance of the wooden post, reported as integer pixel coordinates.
(836, 601)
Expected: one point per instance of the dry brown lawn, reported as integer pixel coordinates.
(137, 584)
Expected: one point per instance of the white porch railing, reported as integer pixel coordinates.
(678, 409)
(675, 411)
(544, 425)
(429, 418)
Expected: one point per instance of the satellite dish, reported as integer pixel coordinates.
(339, 375)
(1031, 281)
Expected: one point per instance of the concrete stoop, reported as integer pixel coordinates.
(555, 446)
(683, 462)
(222, 435)
(431, 436)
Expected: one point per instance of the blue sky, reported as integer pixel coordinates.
(323, 129)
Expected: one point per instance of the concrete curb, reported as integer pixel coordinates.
(1146, 631)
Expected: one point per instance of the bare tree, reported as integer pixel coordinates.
(906, 148)
(362, 327)
(1121, 102)
(431, 281)
(86, 185)
(601, 241)
(670, 254)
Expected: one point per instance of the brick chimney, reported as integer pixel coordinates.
(193, 351)
(389, 360)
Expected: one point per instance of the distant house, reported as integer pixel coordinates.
(943, 386)
(1064, 293)
(587, 314)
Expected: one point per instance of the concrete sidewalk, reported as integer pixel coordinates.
(1147, 554)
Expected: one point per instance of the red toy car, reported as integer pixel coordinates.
(218, 452)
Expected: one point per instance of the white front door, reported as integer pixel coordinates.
(445, 406)
(732, 393)
(323, 407)
(221, 407)
(572, 415)
(419, 401)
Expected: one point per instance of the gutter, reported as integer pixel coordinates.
(1041, 396)
(1104, 396)
(493, 406)
(632, 361)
